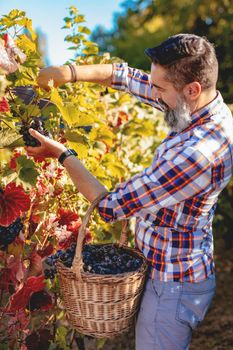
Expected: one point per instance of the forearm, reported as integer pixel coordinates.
(85, 182)
(95, 73)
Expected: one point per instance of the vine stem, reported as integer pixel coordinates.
(72, 337)
(27, 220)
(5, 261)
(13, 100)
(2, 120)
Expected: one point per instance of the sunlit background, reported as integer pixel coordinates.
(47, 18)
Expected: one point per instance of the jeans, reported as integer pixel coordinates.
(169, 312)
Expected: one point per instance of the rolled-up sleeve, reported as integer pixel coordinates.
(135, 82)
(173, 178)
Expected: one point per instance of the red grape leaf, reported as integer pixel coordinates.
(48, 250)
(4, 106)
(65, 217)
(35, 267)
(20, 298)
(13, 201)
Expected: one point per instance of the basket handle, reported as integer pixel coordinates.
(78, 261)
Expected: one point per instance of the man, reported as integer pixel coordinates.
(174, 199)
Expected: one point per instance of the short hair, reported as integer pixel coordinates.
(186, 58)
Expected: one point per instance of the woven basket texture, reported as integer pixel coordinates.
(102, 306)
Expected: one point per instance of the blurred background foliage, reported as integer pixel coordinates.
(145, 23)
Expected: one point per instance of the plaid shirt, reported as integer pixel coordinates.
(174, 199)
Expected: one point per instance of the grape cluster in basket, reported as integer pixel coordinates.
(37, 125)
(98, 259)
(8, 234)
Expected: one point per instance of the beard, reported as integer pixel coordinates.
(179, 118)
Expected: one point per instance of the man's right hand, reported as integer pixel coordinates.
(59, 74)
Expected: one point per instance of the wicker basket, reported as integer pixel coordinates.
(101, 306)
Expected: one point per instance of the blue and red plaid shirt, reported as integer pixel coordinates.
(174, 199)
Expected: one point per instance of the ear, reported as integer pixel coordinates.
(192, 91)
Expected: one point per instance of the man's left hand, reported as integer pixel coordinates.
(48, 148)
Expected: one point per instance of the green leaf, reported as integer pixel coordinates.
(24, 162)
(124, 98)
(79, 19)
(68, 23)
(24, 42)
(28, 176)
(25, 76)
(102, 134)
(28, 26)
(83, 29)
(27, 171)
(67, 19)
(33, 111)
(69, 113)
(100, 343)
(78, 142)
(61, 334)
(80, 148)
(56, 98)
(90, 49)
(5, 156)
(83, 119)
(73, 10)
(10, 138)
(76, 39)
(114, 167)
(68, 110)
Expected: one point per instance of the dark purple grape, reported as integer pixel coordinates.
(8, 234)
(35, 124)
(39, 299)
(50, 261)
(99, 259)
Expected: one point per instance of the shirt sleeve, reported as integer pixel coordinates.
(135, 82)
(175, 177)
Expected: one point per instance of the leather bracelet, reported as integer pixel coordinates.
(66, 154)
(74, 77)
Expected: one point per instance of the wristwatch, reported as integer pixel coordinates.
(66, 154)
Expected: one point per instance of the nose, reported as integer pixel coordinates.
(155, 94)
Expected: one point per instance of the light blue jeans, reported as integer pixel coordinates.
(169, 312)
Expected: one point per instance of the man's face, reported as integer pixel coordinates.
(176, 109)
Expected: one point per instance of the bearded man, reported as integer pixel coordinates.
(174, 199)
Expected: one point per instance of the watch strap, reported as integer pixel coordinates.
(66, 154)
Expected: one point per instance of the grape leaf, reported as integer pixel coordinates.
(115, 168)
(20, 298)
(27, 171)
(13, 202)
(83, 29)
(9, 138)
(24, 42)
(77, 142)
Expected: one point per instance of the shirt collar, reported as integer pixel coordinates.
(200, 116)
(208, 110)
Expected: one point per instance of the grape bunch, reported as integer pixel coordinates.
(37, 125)
(109, 259)
(41, 300)
(9, 233)
(98, 259)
